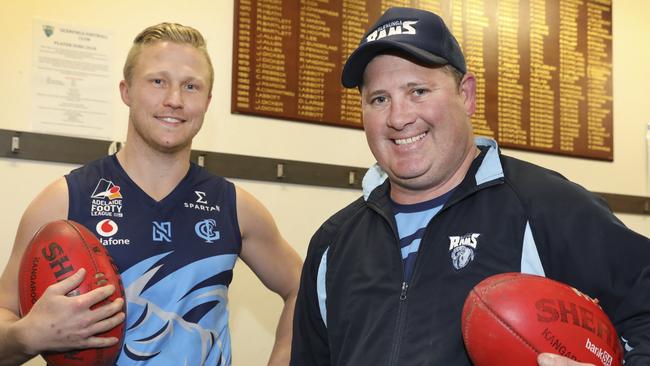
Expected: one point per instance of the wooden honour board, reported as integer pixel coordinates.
(543, 67)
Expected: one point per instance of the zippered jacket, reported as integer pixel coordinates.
(507, 215)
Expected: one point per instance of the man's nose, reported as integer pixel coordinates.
(401, 114)
(174, 98)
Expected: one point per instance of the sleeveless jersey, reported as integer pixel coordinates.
(175, 257)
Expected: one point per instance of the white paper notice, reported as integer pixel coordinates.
(72, 93)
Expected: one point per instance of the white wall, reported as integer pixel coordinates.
(299, 210)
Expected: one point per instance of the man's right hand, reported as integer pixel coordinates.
(58, 322)
(548, 359)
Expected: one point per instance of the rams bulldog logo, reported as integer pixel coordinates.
(462, 249)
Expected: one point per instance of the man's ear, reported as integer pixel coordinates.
(468, 92)
(124, 92)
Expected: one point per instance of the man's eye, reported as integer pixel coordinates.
(419, 92)
(157, 81)
(378, 100)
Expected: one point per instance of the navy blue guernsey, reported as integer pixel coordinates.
(175, 257)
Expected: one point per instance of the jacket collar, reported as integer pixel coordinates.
(490, 168)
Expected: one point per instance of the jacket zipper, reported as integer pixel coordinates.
(401, 310)
(402, 307)
(399, 328)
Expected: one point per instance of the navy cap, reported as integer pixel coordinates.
(417, 33)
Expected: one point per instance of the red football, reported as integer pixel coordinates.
(509, 318)
(57, 251)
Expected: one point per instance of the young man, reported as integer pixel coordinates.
(173, 229)
(385, 278)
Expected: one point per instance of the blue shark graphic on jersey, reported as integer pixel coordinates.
(153, 321)
(175, 257)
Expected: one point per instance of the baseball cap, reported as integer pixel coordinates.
(417, 33)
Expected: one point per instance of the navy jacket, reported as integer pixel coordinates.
(507, 215)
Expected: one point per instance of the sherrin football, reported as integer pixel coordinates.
(57, 251)
(509, 318)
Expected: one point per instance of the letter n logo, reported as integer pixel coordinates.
(162, 231)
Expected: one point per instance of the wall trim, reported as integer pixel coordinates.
(77, 150)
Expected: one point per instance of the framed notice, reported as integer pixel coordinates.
(72, 92)
(543, 67)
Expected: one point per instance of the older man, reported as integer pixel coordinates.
(386, 277)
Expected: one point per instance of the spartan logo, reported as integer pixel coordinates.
(201, 197)
(201, 203)
(462, 249)
(206, 230)
(393, 28)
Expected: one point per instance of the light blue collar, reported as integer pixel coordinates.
(490, 168)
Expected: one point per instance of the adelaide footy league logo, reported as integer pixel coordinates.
(106, 199)
(106, 189)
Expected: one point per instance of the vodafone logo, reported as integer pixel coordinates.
(106, 227)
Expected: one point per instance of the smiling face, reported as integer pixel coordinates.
(168, 95)
(417, 123)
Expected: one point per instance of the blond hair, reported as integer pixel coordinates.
(172, 32)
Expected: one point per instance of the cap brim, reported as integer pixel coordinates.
(354, 67)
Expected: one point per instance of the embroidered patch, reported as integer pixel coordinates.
(462, 249)
(461, 256)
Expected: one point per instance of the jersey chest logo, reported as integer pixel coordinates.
(207, 230)
(106, 199)
(462, 249)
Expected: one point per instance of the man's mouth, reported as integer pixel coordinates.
(168, 119)
(410, 140)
